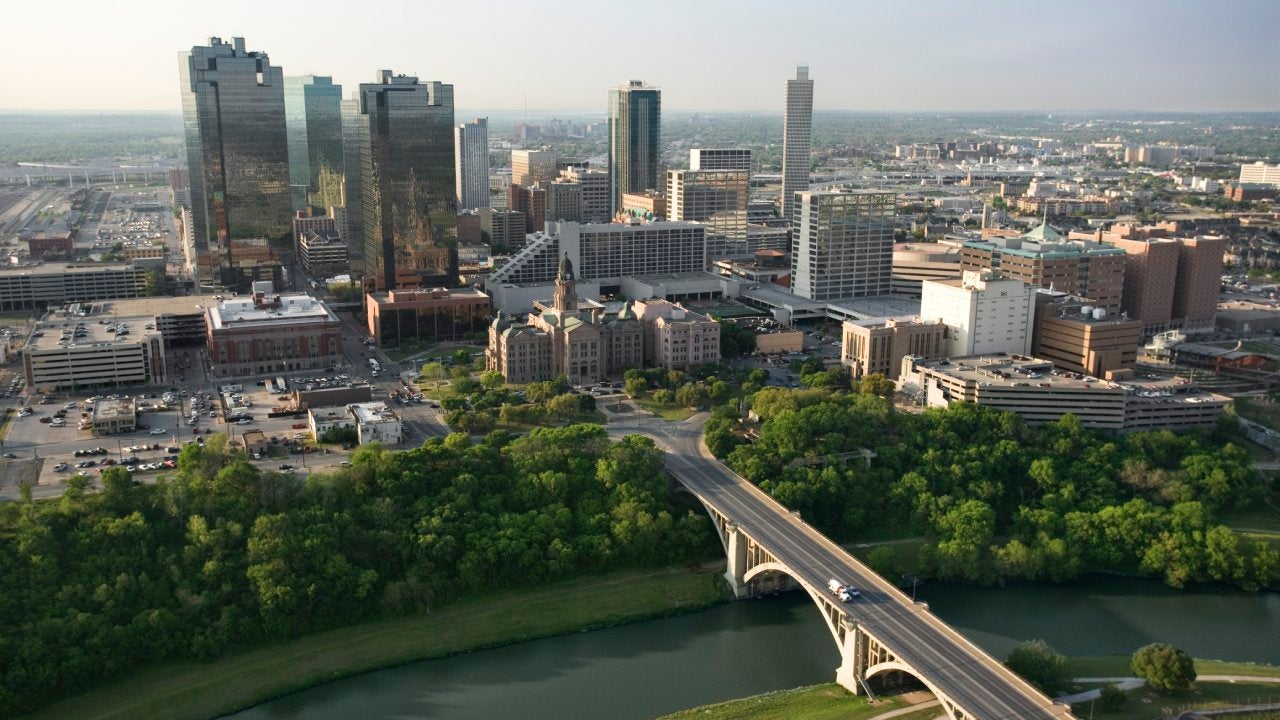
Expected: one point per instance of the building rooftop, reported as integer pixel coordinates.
(162, 305)
(415, 295)
(82, 325)
(1014, 371)
(64, 268)
(107, 409)
(268, 310)
(372, 412)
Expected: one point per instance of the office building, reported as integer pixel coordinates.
(635, 141)
(531, 202)
(53, 245)
(112, 417)
(313, 118)
(1199, 282)
(564, 201)
(233, 115)
(502, 229)
(717, 199)
(647, 205)
(608, 253)
(1081, 338)
(424, 315)
(842, 244)
(720, 159)
(179, 320)
(595, 193)
(77, 348)
(533, 166)
(1040, 393)
(471, 163)
(797, 136)
(322, 254)
(1044, 258)
(407, 183)
(984, 313)
(878, 345)
(1260, 173)
(266, 334)
(352, 198)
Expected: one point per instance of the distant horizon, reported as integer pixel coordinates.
(465, 113)
(709, 56)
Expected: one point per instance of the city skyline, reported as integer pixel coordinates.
(997, 56)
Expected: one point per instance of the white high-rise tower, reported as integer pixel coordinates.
(797, 137)
(471, 155)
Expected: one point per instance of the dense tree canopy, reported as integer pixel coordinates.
(221, 554)
(1164, 667)
(999, 499)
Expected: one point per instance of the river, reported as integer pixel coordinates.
(745, 648)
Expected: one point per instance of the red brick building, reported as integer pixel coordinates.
(51, 245)
(269, 334)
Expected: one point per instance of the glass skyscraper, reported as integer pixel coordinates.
(237, 151)
(352, 197)
(313, 116)
(407, 183)
(635, 139)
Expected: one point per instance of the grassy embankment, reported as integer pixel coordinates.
(191, 690)
(830, 701)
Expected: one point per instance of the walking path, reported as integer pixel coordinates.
(1130, 683)
(906, 710)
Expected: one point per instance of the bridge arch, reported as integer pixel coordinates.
(892, 665)
(825, 606)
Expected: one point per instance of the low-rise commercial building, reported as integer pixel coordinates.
(323, 419)
(375, 422)
(44, 245)
(1248, 317)
(323, 254)
(913, 263)
(266, 334)
(111, 417)
(254, 442)
(983, 311)
(1040, 393)
(427, 315)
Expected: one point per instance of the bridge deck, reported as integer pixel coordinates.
(981, 686)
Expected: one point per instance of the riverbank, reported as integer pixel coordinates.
(832, 702)
(193, 691)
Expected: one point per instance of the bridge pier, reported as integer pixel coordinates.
(852, 658)
(736, 568)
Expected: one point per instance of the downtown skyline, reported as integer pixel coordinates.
(993, 57)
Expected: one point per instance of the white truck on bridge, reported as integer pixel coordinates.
(846, 593)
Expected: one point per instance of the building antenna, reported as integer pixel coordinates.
(526, 107)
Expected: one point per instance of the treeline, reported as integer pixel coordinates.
(1000, 499)
(221, 555)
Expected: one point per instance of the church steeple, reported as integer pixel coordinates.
(566, 297)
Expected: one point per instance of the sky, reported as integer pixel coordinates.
(706, 55)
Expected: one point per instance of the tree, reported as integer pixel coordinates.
(1040, 665)
(693, 395)
(876, 384)
(461, 358)
(563, 406)
(1164, 667)
(884, 560)
(636, 386)
(460, 372)
(492, 380)
(434, 372)
(664, 397)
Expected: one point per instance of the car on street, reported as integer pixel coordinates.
(60, 467)
(243, 421)
(10, 456)
(285, 467)
(158, 431)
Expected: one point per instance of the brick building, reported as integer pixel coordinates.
(265, 334)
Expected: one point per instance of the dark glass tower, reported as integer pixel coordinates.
(313, 115)
(407, 184)
(237, 150)
(352, 198)
(635, 138)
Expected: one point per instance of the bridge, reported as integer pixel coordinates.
(881, 634)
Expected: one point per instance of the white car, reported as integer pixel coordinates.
(60, 467)
(159, 431)
(243, 422)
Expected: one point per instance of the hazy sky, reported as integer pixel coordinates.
(713, 55)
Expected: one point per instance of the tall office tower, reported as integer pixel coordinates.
(471, 163)
(237, 149)
(716, 198)
(842, 244)
(595, 193)
(564, 200)
(635, 139)
(406, 182)
(313, 117)
(720, 159)
(797, 136)
(352, 199)
(533, 166)
(1199, 282)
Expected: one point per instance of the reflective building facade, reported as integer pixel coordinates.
(313, 117)
(842, 244)
(407, 184)
(635, 137)
(237, 152)
(352, 197)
